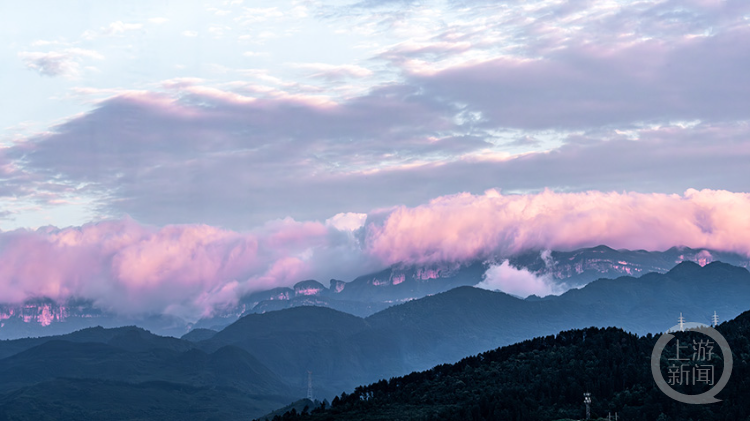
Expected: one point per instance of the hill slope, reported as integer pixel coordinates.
(148, 376)
(103, 400)
(544, 379)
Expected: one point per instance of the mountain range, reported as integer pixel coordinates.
(262, 361)
(364, 295)
(343, 350)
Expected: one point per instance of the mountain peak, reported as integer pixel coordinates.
(602, 248)
(684, 268)
(336, 285)
(309, 287)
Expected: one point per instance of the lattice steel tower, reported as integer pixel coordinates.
(682, 323)
(587, 401)
(309, 385)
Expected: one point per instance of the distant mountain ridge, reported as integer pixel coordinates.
(366, 294)
(263, 360)
(446, 327)
(582, 266)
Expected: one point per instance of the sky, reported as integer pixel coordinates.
(220, 147)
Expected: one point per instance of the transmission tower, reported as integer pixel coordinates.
(587, 401)
(682, 323)
(309, 386)
(715, 319)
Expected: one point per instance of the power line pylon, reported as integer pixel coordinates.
(309, 385)
(682, 323)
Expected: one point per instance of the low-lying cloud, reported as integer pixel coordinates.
(190, 270)
(184, 270)
(515, 281)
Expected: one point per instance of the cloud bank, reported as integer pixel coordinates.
(191, 270)
(221, 158)
(464, 226)
(183, 270)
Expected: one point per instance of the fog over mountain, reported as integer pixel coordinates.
(533, 274)
(194, 271)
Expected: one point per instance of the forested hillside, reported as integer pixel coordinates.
(544, 379)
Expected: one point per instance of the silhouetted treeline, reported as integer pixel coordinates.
(544, 379)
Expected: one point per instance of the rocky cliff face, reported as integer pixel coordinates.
(579, 267)
(45, 312)
(310, 287)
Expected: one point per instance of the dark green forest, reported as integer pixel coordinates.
(544, 379)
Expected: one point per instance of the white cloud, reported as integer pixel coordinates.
(255, 54)
(348, 221)
(257, 15)
(44, 43)
(180, 82)
(58, 63)
(519, 282)
(117, 28)
(332, 71)
(121, 27)
(218, 31)
(219, 12)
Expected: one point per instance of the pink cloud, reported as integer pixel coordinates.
(131, 268)
(190, 270)
(464, 226)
